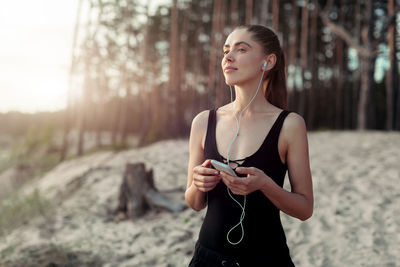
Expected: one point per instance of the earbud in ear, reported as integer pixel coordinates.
(265, 65)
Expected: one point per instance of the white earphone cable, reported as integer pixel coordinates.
(229, 148)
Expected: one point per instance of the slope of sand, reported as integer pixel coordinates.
(356, 220)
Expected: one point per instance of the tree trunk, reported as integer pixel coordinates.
(357, 73)
(264, 12)
(173, 76)
(197, 69)
(138, 194)
(68, 110)
(366, 106)
(395, 75)
(125, 114)
(338, 73)
(249, 11)
(182, 77)
(97, 120)
(275, 15)
(82, 121)
(390, 89)
(87, 84)
(314, 90)
(145, 125)
(123, 125)
(234, 13)
(304, 57)
(367, 53)
(115, 120)
(395, 80)
(292, 58)
(221, 91)
(215, 40)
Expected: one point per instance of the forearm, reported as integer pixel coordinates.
(293, 204)
(195, 198)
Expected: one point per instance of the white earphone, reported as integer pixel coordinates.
(265, 65)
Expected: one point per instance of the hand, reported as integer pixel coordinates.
(205, 178)
(255, 180)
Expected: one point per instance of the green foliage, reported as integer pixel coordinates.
(17, 210)
(37, 138)
(16, 124)
(4, 160)
(33, 154)
(119, 146)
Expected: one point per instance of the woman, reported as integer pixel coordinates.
(242, 225)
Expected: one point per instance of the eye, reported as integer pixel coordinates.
(226, 52)
(242, 50)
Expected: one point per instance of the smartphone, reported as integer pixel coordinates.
(223, 167)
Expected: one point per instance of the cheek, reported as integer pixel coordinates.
(250, 62)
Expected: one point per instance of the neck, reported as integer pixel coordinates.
(245, 92)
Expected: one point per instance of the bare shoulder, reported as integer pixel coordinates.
(199, 126)
(200, 120)
(294, 121)
(294, 126)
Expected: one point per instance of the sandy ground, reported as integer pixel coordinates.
(356, 220)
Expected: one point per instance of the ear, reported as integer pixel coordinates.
(271, 61)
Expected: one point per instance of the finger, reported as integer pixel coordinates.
(236, 184)
(202, 189)
(206, 178)
(228, 181)
(209, 171)
(210, 185)
(204, 186)
(230, 178)
(206, 163)
(204, 170)
(248, 170)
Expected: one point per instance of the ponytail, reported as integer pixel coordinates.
(276, 91)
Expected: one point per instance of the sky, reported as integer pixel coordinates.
(35, 52)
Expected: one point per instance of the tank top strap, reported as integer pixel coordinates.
(276, 128)
(211, 122)
(209, 142)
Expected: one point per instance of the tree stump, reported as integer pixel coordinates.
(138, 193)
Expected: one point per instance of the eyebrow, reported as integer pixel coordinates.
(238, 43)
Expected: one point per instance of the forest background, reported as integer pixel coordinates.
(138, 76)
(141, 75)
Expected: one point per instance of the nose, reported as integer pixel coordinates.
(228, 57)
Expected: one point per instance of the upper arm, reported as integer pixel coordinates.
(196, 140)
(298, 156)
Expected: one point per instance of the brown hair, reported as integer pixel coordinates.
(276, 91)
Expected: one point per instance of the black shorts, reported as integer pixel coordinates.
(204, 257)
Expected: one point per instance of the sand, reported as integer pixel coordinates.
(356, 220)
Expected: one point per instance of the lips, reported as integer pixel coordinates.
(229, 68)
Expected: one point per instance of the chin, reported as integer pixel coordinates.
(231, 82)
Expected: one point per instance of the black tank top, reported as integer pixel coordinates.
(264, 241)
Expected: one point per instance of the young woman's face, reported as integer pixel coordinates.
(243, 58)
